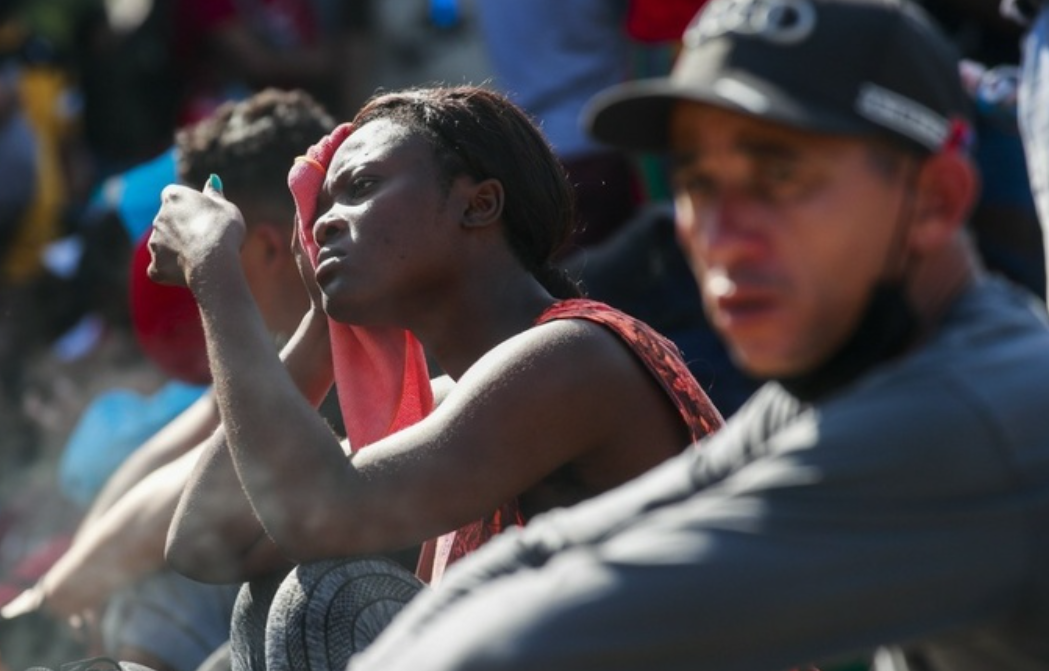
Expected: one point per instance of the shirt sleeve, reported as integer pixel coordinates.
(858, 524)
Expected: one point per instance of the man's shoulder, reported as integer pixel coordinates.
(966, 396)
(991, 321)
(995, 335)
(995, 332)
(970, 386)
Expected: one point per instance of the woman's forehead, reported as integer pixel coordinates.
(378, 139)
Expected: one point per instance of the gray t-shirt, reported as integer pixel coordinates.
(911, 508)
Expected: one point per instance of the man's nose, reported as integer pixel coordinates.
(727, 223)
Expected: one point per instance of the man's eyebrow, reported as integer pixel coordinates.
(752, 148)
(765, 148)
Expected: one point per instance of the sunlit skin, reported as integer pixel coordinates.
(787, 232)
(379, 223)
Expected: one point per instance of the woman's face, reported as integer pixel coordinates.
(385, 227)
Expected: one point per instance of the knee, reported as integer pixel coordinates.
(332, 609)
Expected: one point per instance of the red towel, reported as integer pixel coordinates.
(380, 372)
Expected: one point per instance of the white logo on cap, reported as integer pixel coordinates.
(777, 21)
(747, 97)
(901, 114)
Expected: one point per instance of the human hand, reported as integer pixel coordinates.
(193, 229)
(29, 600)
(306, 271)
(30, 635)
(55, 599)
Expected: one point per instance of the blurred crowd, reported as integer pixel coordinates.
(91, 94)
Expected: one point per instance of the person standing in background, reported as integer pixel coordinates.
(550, 57)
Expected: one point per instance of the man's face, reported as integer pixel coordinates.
(787, 233)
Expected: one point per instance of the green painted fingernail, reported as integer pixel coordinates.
(215, 182)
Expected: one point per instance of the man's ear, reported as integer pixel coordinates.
(485, 204)
(271, 242)
(947, 188)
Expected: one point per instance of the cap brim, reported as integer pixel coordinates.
(635, 116)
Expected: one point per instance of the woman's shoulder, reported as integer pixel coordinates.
(659, 355)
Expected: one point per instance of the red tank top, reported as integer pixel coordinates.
(662, 359)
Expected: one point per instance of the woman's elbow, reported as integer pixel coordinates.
(207, 558)
(197, 557)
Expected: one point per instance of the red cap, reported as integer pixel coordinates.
(166, 322)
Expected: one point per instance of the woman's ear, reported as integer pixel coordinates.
(947, 189)
(485, 204)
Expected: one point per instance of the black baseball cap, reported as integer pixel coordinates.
(850, 67)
